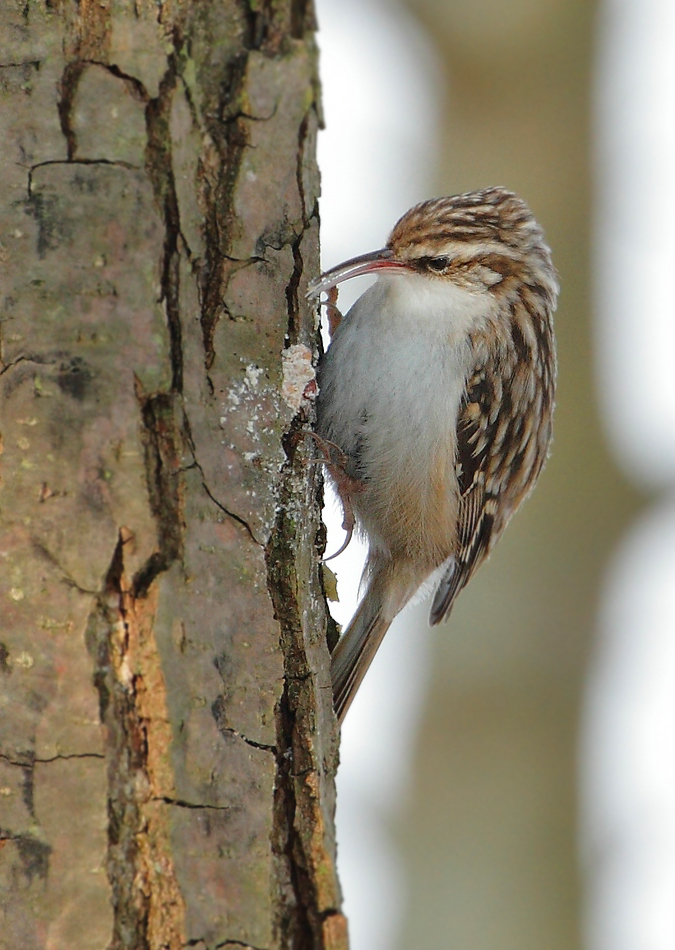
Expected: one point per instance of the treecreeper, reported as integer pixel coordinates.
(435, 403)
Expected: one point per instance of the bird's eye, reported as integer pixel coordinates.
(437, 264)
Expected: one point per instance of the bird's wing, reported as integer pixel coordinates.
(476, 429)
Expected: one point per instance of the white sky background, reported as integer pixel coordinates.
(628, 742)
(381, 84)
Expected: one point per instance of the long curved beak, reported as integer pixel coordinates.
(356, 267)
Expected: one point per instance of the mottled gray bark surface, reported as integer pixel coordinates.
(167, 744)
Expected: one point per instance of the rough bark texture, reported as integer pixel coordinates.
(167, 743)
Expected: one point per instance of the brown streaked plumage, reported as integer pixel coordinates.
(438, 392)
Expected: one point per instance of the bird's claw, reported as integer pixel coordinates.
(345, 485)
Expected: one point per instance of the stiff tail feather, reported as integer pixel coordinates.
(355, 651)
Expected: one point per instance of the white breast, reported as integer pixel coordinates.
(391, 385)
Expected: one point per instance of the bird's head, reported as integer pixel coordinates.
(483, 241)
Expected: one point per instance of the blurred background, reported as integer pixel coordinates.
(508, 780)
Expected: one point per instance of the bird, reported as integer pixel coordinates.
(435, 403)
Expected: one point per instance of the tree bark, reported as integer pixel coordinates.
(167, 741)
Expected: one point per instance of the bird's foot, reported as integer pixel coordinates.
(346, 485)
(333, 312)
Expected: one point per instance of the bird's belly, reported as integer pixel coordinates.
(390, 403)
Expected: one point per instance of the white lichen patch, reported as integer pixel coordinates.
(255, 412)
(298, 372)
(243, 391)
(250, 412)
(24, 660)
(252, 375)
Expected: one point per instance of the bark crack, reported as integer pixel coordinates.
(31, 759)
(147, 904)
(252, 742)
(117, 163)
(136, 87)
(159, 166)
(70, 80)
(230, 514)
(221, 507)
(35, 63)
(163, 447)
(300, 920)
(40, 361)
(51, 559)
(230, 136)
(238, 943)
(292, 301)
(181, 803)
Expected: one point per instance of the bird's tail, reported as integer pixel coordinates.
(389, 588)
(355, 651)
(391, 584)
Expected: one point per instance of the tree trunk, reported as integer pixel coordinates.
(167, 740)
